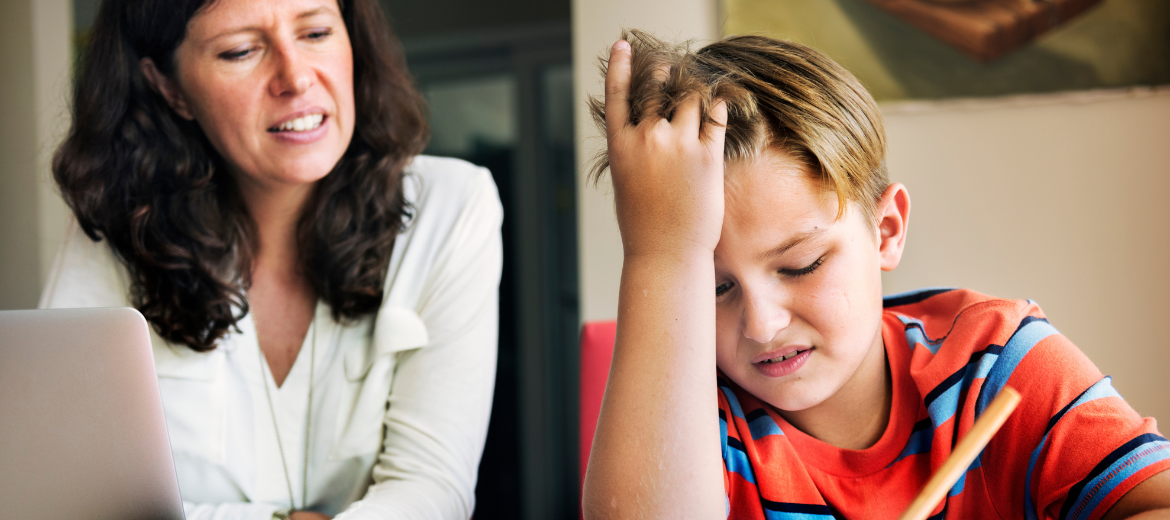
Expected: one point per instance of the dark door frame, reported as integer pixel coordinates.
(542, 224)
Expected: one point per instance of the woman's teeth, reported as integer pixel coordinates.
(301, 124)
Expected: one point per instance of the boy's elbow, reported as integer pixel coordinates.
(603, 499)
(594, 498)
(598, 506)
(606, 497)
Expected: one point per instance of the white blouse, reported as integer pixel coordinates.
(400, 401)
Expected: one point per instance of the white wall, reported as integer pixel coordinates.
(597, 24)
(1058, 198)
(52, 71)
(35, 54)
(18, 229)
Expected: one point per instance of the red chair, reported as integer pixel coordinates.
(597, 340)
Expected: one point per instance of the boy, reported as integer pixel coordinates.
(756, 167)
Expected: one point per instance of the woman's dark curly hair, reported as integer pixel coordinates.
(151, 184)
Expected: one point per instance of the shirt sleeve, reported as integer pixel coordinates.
(1076, 443)
(84, 274)
(440, 401)
(229, 511)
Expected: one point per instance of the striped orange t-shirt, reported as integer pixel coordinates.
(1070, 450)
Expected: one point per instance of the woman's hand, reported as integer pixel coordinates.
(308, 515)
(667, 174)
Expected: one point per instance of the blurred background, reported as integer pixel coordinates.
(1034, 138)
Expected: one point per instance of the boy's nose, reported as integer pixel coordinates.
(763, 318)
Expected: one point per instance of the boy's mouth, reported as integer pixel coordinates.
(786, 357)
(783, 362)
(781, 355)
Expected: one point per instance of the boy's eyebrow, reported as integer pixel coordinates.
(795, 241)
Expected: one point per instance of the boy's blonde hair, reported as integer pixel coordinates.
(780, 96)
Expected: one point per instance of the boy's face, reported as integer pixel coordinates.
(799, 293)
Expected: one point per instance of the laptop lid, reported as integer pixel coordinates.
(82, 433)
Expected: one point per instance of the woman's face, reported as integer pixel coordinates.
(271, 84)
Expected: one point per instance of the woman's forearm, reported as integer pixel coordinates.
(656, 453)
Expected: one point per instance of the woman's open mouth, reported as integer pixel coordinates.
(302, 129)
(305, 123)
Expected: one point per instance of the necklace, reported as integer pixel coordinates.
(308, 417)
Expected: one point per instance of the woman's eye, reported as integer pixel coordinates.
(722, 288)
(236, 54)
(319, 34)
(797, 273)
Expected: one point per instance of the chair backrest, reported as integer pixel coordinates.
(596, 352)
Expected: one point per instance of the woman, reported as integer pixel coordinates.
(323, 302)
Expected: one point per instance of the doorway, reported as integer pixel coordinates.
(497, 77)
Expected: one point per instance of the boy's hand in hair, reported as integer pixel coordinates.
(667, 173)
(651, 459)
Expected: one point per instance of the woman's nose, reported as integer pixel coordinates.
(764, 317)
(294, 74)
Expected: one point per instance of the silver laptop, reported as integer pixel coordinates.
(82, 433)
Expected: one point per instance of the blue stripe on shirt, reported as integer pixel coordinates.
(761, 424)
(732, 401)
(919, 442)
(735, 458)
(1100, 390)
(792, 511)
(1030, 332)
(1122, 463)
(916, 334)
(942, 402)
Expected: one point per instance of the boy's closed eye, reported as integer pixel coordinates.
(721, 288)
(806, 270)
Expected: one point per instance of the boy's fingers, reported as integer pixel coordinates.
(713, 133)
(652, 110)
(617, 87)
(687, 116)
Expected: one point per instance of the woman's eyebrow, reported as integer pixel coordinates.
(795, 241)
(252, 28)
(314, 12)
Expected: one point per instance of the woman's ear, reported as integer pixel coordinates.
(166, 88)
(893, 216)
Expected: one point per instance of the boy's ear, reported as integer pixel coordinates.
(167, 88)
(893, 216)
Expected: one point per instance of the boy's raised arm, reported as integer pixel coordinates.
(656, 453)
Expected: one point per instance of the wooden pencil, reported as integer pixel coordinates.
(969, 447)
